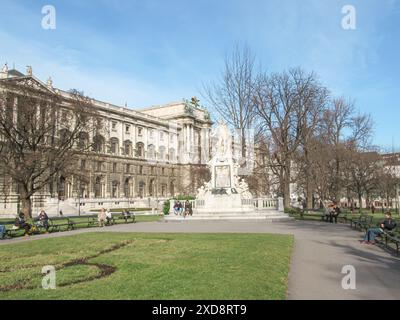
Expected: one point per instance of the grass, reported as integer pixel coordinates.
(150, 266)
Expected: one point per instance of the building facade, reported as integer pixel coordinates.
(141, 156)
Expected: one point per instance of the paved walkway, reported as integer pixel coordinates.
(320, 252)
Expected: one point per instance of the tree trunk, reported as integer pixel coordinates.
(360, 202)
(310, 202)
(286, 185)
(26, 206)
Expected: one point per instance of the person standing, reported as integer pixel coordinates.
(101, 217)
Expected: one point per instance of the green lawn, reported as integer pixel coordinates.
(149, 266)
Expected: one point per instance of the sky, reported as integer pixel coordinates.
(151, 52)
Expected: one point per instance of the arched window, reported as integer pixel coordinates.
(61, 188)
(64, 136)
(171, 155)
(98, 143)
(83, 190)
(172, 189)
(139, 150)
(98, 188)
(115, 189)
(151, 151)
(83, 140)
(128, 187)
(142, 187)
(127, 147)
(161, 153)
(114, 146)
(151, 188)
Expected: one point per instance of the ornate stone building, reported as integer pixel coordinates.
(141, 155)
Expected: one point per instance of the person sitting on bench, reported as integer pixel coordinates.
(108, 217)
(188, 208)
(2, 231)
(21, 224)
(335, 213)
(328, 212)
(126, 215)
(372, 233)
(44, 220)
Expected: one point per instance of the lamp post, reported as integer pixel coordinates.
(397, 198)
(79, 197)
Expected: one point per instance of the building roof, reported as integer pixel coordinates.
(15, 73)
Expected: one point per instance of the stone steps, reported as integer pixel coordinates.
(272, 215)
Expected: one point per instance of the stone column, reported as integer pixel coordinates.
(187, 138)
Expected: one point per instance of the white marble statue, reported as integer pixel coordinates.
(5, 68)
(224, 141)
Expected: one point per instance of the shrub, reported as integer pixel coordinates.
(166, 207)
(292, 210)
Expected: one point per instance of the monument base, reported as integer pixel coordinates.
(219, 204)
(264, 215)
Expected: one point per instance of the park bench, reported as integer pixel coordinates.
(36, 228)
(92, 222)
(129, 219)
(56, 227)
(13, 232)
(363, 223)
(351, 218)
(392, 236)
(89, 222)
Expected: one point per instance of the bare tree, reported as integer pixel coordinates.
(42, 135)
(343, 129)
(232, 95)
(361, 173)
(285, 103)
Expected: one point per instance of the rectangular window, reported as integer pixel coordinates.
(140, 131)
(114, 168)
(114, 125)
(128, 168)
(127, 128)
(161, 136)
(83, 164)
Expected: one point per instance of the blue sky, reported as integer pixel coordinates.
(153, 52)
